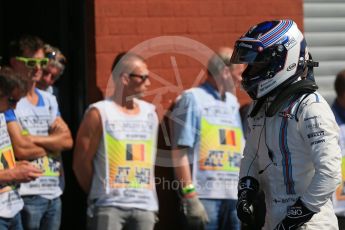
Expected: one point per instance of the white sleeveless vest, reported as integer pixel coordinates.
(124, 162)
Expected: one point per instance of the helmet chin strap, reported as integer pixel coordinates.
(300, 87)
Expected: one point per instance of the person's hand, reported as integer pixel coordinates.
(248, 188)
(195, 212)
(297, 215)
(24, 172)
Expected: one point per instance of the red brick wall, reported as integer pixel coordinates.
(121, 25)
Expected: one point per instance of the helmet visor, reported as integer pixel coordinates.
(249, 52)
(256, 69)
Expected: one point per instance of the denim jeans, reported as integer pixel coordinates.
(14, 223)
(222, 214)
(108, 218)
(40, 213)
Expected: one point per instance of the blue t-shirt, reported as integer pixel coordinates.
(339, 113)
(10, 115)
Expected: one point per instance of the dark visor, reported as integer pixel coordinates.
(248, 53)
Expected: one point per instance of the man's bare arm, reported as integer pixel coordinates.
(22, 172)
(182, 166)
(24, 148)
(88, 138)
(59, 138)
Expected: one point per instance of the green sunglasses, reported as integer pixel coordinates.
(33, 62)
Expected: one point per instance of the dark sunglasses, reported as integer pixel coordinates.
(142, 77)
(54, 55)
(33, 62)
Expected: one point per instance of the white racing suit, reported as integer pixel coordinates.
(304, 159)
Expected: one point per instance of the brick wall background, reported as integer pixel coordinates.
(120, 25)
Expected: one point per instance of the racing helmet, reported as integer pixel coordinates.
(275, 53)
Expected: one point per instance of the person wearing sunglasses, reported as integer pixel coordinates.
(11, 172)
(39, 121)
(28, 58)
(53, 70)
(115, 152)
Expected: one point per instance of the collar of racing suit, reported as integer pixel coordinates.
(297, 88)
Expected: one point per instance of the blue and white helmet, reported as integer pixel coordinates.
(275, 53)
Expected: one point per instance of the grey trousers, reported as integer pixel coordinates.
(114, 218)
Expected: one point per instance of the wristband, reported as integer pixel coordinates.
(188, 189)
(25, 132)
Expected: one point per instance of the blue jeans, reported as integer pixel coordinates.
(14, 223)
(222, 214)
(40, 213)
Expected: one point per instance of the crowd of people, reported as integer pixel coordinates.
(282, 158)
